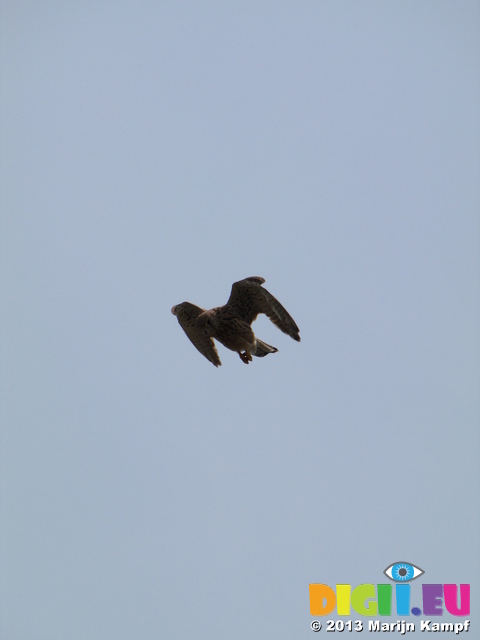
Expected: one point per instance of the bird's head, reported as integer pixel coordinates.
(206, 322)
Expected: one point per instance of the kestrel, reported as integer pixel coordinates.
(231, 324)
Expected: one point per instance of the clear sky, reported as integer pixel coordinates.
(155, 152)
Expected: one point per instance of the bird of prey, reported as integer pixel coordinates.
(231, 324)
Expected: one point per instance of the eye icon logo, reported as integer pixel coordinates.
(403, 572)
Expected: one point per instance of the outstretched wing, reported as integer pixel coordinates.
(248, 298)
(187, 313)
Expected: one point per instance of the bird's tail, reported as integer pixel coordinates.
(262, 349)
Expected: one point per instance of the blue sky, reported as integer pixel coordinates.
(157, 152)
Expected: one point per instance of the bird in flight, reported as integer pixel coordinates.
(231, 324)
